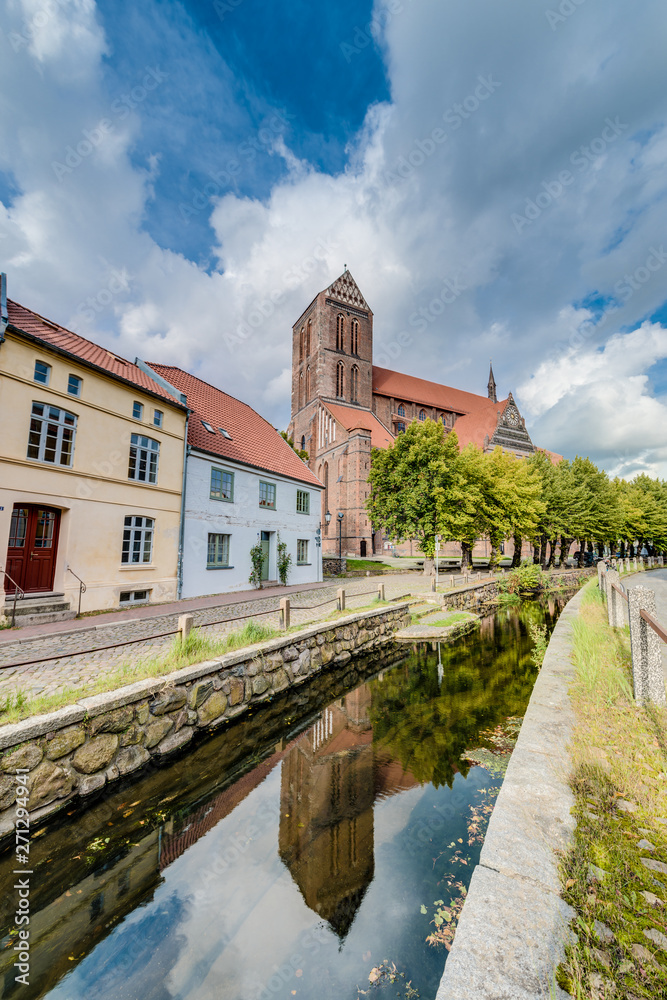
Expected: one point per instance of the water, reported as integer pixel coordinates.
(292, 855)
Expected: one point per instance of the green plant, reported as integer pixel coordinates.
(526, 578)
(284, 561)
(538, 633)
(256, 559)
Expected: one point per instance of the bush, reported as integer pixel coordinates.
(526, 578)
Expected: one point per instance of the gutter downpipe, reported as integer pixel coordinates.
(181, 535)
(4, 315)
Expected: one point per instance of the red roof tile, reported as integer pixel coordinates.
(351, 418)
(54, 335)
(253, 440)
(418, 390)
(473, 427)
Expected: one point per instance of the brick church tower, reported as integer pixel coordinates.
(332, 418)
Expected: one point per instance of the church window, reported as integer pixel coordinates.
(354, 384)
(340, 332)
(340, 379)
(422, 415)
(300, 401)
(303, 442)
(401, 411)
(354, 335)
(301, 345)
(307, 383)
(400, 427)
(308, 331)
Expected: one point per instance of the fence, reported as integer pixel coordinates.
(638, 604)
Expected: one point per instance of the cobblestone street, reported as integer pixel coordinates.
(75, 667)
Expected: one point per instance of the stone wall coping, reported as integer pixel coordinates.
(514, 925)
(17, 733)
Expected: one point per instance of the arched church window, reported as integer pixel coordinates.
(324, 477)
(308, 331)
(401, 411)
(422, 415)
(301, 344)
(400, 427)
(307, 383)
(340, 332)
(340, 379)
(303, 442)
(354, 335)
(354, 384)
(300, 401)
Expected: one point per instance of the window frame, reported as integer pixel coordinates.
(300, 494)
(223, 472)
(79, 385)
(218, 546)
(158, 418)
(401, 410)
(302, 560)
(140, 406)
(62, 425)
(422, 415)
(46, 373)
(151, 452)
(269, 486)
(133, 532)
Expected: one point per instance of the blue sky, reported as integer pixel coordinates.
(204, 159)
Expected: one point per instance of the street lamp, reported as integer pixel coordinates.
(340, 537)
(327, 518)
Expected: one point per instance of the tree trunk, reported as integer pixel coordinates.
(429, 566)
(582, 552)
(622, 551)
(564, 548)
(544, 541)
(466, 556)
(518, 542)
(552, 552)
(494, 558)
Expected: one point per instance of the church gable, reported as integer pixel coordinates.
(511, 433)
(346, 291)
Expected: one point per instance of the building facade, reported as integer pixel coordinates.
(343, 406)
(91, 466)
(244, 485)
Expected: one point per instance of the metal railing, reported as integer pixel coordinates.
(82, 588)
(19, 594)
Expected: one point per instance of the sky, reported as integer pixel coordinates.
(179, 180)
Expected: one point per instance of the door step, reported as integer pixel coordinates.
(37, 610)
(42, 618)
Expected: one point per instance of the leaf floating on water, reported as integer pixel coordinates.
(423, 908)
(373, 975)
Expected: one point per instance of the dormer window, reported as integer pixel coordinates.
(208, 427)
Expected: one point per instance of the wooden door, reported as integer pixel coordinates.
(266, 537)
(32, 549)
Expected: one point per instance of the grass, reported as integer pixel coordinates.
(365, 564)
(453, 619)
(619, 754)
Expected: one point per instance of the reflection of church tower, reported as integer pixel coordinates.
(326, 811)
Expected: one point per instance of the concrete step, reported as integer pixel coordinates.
(38, 618)
(26, 607)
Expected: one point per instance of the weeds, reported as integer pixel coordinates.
(538, 633)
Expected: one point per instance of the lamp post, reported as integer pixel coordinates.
(340, 536)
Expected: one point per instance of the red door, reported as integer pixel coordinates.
(32, 549)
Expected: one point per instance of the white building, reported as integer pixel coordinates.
(243, 485)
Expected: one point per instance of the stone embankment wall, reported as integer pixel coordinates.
(333, 566)
(79, 749)
(470, 597)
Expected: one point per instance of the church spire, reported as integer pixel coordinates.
(492, 385)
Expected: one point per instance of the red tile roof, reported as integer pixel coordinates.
(351, 418)
(418, 390)
(58, 337)
(253, 440)
(553, 456)
(473, 427)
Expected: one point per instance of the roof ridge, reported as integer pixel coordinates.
(72, 333)
(175, 368)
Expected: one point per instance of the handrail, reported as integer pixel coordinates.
(655, 625)
(17, 591)
(82, 588)
(619, 590)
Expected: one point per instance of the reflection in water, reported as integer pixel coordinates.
(280, 858)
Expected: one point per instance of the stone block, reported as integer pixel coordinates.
(259, 685)
(48, 782)
(326, 652)
(100, 703)
(217, 683)
(648, 678)
(64, 742)
(279, 680)
(112, 773)
(179, 718)
(25, 757)
(342, 657)
(315, 659)
(156, 730)
(254, 668)
(112, 722)
(131, 758)
(131, 736)
(273, 662)
(198, 693)
(142, 712)
(175, 740)
(236, 691)
(96, 753)
(167, 700)
(91, 783)
(362, 636)
(302, 665)
(291, 653)
(37, 725)
(7, 791)
(213, 707)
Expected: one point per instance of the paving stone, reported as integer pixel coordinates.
(645, 845)
(641, 953)
(654, 866)
(657, 937)
(651, 898)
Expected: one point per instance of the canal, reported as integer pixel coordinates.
(319, 849)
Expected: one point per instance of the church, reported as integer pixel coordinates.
(343, 406)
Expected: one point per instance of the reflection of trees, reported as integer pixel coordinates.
(487, 677)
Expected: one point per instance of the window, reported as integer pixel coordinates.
(137, 410)
(225, 433)
(267, 495)
(222, 485)
(422, 415)
(18, 527)
(307, 383)
(51, 437)
(354, 384)
(340, 379)
(401, 410)
(74, 384)
(340, 332)
(301, 345)
(354, 337)
(302, 502)
(302, 552)
(308, 332)
(218, 552)
(157, 417)
(133, 597)
(303, 442)
(400, 427)
(208, 427)
(144, 453)
(42, 372)
(137, 540)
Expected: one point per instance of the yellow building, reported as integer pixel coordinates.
(91, 471)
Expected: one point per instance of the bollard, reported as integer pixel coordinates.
(284, 613)
(615, 613)
(380, 592)
(185, 626)
(433, 584)
(340, 595)
(627, 564)
(451, 581)
(601, 573)
(635, 564)
(648, 680)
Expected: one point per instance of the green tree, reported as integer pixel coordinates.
(303, 455)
